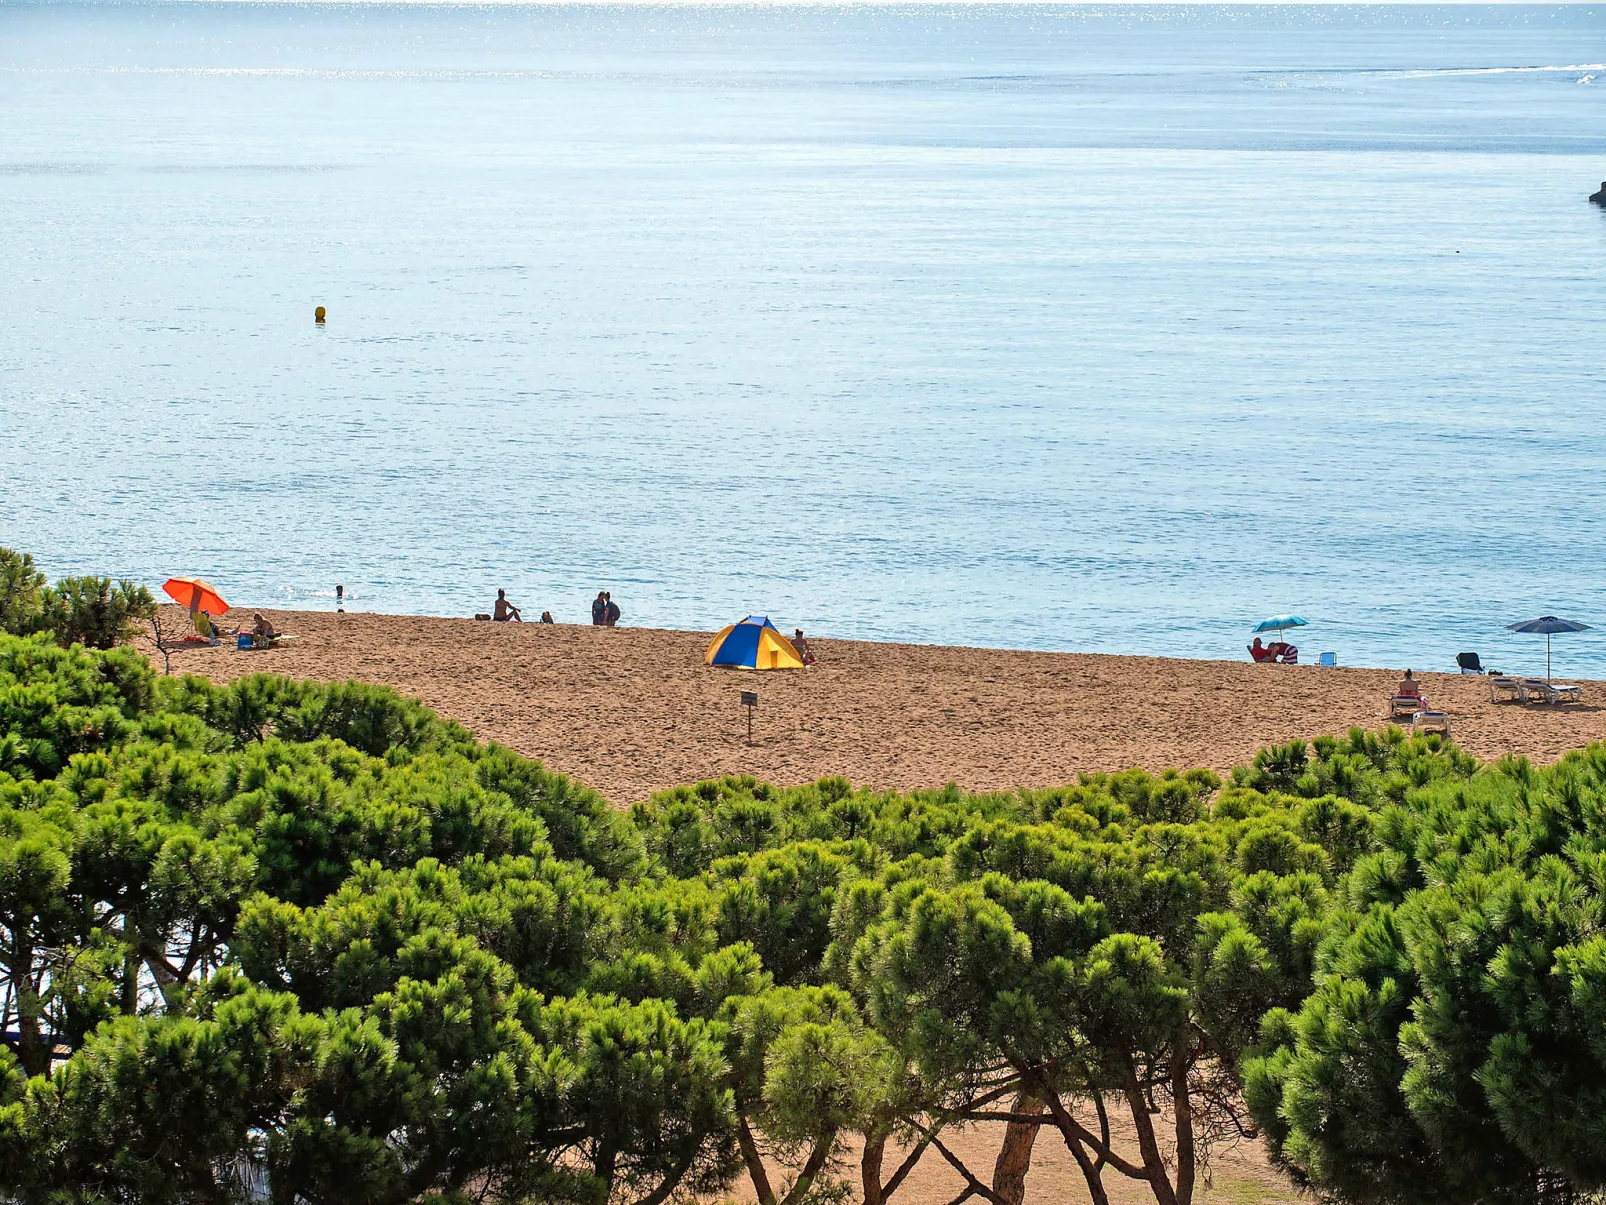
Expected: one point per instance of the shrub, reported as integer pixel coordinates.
(21, 585)
(94, 611)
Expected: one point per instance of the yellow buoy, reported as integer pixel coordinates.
(318, 315)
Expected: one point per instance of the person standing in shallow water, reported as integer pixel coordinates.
(611, 613)
(599, 610)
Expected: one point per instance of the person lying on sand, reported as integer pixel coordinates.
(505, 610)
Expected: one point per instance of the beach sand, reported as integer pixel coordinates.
(630, 711)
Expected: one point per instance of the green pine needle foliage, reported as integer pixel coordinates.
(313, 943)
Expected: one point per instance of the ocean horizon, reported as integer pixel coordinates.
(1106, 328)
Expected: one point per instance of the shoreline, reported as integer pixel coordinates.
(241, 616)
(630, 711)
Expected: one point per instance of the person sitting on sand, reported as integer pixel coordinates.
(505, 610)
(803, 649)
(546, 617)
(1261, 653)
(611, 613)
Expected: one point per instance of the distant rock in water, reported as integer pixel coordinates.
(1600, 197)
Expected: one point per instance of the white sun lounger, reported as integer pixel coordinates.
(1537, 690)
(1402, 705)
(1430, 721)
(1503, 689)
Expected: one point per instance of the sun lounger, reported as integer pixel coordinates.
(1404, 705)
(1430, 721)
(1469, 663)
(1537, 690)
(1503, 689)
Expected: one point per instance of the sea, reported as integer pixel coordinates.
(1110, 328)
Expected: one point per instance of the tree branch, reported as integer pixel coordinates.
(1071, 1129)
(977, 1188)
(672, 1181)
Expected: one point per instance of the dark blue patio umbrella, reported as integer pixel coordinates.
(1548, 624)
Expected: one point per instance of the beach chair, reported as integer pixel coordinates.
(1469, 663)
(1504, 690)
(1404, 705)
(1328, 660)
(1537, 690)
(1430, 721)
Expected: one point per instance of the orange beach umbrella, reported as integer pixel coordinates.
(195, 594)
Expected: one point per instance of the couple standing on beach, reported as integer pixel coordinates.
(604, 611)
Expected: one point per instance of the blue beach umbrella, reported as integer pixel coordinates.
(1278, 623)
(1548, 624)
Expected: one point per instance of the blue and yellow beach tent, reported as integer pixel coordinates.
(752, 644)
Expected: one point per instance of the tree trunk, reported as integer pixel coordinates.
(1092, 1169)
(754, 1161)
(31, 1052)
(875, 1150)
(1153, 1163)
(606, 1166)
(811, 1168)
(129, 1004)
(1183, 1105)
(1015, 1156)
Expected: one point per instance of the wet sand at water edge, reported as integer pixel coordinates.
(631, 710)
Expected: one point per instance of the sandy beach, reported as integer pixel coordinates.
(630, 711)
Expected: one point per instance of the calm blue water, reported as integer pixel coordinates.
(1103, 329)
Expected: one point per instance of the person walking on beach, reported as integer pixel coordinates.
(612, 611)
(505, 610)
(599, 610)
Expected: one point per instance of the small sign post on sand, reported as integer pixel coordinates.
(750, 701)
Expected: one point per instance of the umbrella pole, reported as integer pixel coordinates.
(1547, 658)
